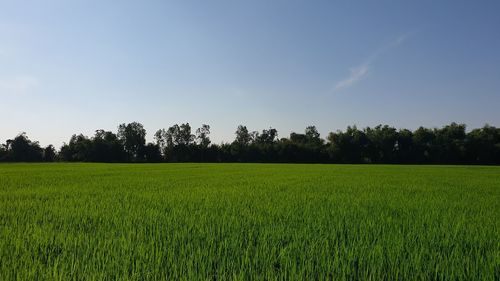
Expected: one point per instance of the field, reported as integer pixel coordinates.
(249, 222)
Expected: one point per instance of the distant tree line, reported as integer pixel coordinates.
(450, 144)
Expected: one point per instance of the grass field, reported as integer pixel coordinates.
(248, 222)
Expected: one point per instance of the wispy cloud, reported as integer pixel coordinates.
(359, 72)
(18, 84)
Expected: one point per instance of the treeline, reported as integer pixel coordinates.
(450, 144)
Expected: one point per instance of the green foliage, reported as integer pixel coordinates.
(103, 147)
(267, 136)
(243, 137)
(202, 136)
(248, 222)
(133, 139)
(49, 153)
(450, 144)
(21, 149)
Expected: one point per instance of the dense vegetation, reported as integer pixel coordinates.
(450, 144)
(79, 221)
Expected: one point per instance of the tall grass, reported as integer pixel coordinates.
(248, 222)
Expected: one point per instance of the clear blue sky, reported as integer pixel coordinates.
(71, 66)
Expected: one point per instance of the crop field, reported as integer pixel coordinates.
(249, 222)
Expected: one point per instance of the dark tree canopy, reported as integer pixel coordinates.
(451, 144)
(202, 135)
(243, 137)
(133, 138)
(21, 149)
(267, 136)
(49, 153)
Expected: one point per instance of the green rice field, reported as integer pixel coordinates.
(249, 222)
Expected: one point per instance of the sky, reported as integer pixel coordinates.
(75, 66)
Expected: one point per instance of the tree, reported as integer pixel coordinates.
(3, 153)
(176, 135)
(133, 138)
(297, 138)
(22, 149)
(185, 136)
(49, 153)
(349, 146)
(243, 137)
(103, 147)
(451, 143)
(78, 149)
(312, 135)
(106, 147)
(160, 138)
(404, 147)
(423, 145)
(381, 146)
(152, 153)
(483, 145)
(172, 136)
(267, 136)
(202, 135)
